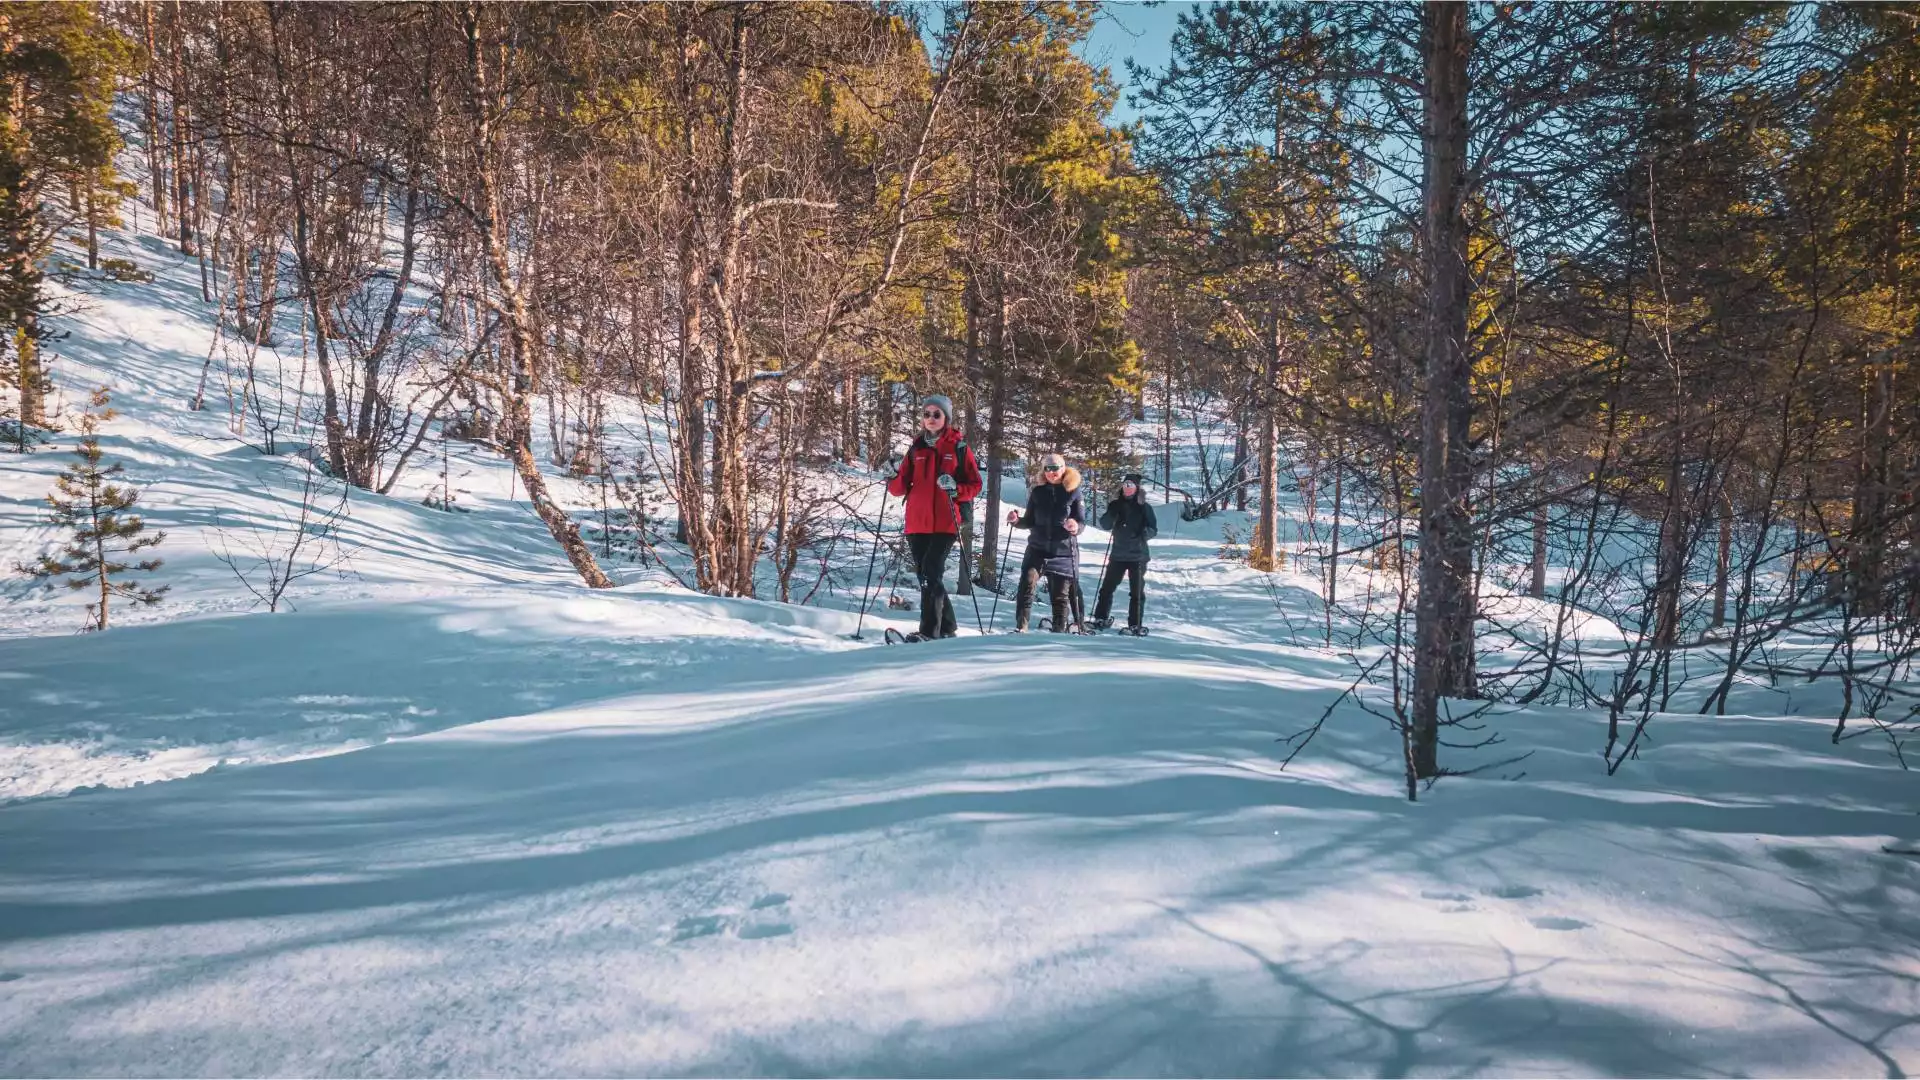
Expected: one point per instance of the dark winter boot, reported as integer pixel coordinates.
(1060, 623)
(1023, 600)
(1099, 623)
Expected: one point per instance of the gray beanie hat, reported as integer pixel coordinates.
(941, 402)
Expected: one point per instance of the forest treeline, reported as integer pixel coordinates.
(1612, 306)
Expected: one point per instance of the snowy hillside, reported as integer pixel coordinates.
(450, 813)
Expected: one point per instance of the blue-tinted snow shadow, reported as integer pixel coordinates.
(854, 748)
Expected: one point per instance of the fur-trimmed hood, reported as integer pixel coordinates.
(1069, 479)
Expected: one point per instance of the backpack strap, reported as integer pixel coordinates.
(960, 454)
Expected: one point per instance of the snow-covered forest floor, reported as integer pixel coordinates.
(448, 812)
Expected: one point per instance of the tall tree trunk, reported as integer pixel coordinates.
(1537, 583)
(1333, 547)
(786, 548)
(1723, 561)
(690, 404)
(519, 323)
(1266, 544)
(1166, 433)
(366, 437)
(990, 546)
(93, 224)
(269, 256)
(733, 526)
(182, 198)
(311, 285)
(1670, 566)
(199, 157)
(1240, 455)
(156, 167)
(884, 394)
(1443, 636)
(33, 378)
(19, 209)
(975, 376)
(850, 418)
(1875, 478)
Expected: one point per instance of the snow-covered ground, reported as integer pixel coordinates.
(455, 814)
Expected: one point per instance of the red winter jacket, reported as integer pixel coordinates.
(929, 510)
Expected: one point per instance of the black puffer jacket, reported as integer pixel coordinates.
(1049, 506)
(1132, 524)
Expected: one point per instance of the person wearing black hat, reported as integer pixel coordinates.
(939, 479)
(1131, 522)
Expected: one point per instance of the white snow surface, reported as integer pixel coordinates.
(457, 815)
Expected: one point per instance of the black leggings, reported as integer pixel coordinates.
(1135, 572)
(930, 551)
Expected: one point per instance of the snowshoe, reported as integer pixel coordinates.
(1134, 631)
(1097, 625)
(895, 637)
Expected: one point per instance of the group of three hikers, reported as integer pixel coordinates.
(938, 474)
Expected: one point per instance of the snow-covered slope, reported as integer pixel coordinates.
(997, 855)
(474, 819)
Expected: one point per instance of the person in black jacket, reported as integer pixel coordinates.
(1131, 521)
(1054, 516)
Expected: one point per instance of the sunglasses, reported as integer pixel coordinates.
(1053, 468)
(933, 414)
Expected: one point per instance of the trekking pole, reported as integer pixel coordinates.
(999, 575)
(971, 591)
(867, 589)
(1104, 556)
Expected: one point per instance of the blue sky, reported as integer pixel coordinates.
(1140, 31)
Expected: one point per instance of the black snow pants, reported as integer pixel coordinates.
(930, 551)
(1059, 588)
(1135, 571)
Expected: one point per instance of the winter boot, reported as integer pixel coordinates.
(1060, 597)
(1099, 624)
(1023, 600)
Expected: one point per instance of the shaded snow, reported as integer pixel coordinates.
(454, 814)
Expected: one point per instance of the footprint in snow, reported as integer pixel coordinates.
(1796, 858)
(1555, 922)
(765, 930)
(754, 931)
(698, 926)
(1450, 897)
(1513, 892)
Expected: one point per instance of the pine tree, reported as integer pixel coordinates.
(104, 534)
(58, 67)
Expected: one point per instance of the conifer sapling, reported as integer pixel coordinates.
(104, 534)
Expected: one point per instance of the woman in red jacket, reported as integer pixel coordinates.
(939, 479)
